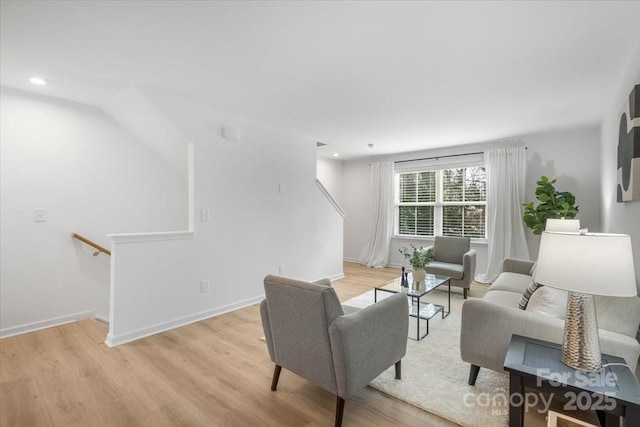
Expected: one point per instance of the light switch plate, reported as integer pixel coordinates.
(39, 215)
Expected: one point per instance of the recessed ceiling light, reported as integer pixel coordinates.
(38, 81)
(335, 154)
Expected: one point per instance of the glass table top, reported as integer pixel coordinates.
(430, 283)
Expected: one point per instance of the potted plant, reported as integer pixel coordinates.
(419, 258)
(553, 204)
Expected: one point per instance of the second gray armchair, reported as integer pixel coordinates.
(454, 258)
(309, 334)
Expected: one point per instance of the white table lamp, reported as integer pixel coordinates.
(585, 264)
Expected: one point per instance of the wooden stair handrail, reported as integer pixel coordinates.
(92, 244)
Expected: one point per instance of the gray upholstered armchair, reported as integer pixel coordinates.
(454, 258)
(309, 334)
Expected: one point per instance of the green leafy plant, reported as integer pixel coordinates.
(553, 204)
(418, 257)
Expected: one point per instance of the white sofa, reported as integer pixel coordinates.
(489, 322)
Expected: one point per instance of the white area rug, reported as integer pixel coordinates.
(434, 377)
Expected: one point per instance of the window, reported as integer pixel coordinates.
(448, 202)
(417, 197)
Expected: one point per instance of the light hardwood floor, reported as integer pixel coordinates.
(215, 372)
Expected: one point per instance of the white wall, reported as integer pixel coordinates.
(92, 178)
(250, 173)
(573, 157)
(356, 190)
(330, 174)
(619, 217)
(570, 155)
(138, 115)
(254, 229)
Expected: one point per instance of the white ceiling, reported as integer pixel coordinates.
(403, 76)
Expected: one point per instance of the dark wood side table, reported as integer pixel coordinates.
(614, 392)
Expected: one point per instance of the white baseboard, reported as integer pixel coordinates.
(113, 341)
(44, 324)
(102, 319)
(336, 276)
(358, 262)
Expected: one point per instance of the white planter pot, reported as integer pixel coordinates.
(418, 277)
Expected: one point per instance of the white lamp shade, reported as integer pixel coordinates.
(592, 263)
(554, 224)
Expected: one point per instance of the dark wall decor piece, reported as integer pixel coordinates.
(629, 149)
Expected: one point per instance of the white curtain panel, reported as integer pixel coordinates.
(376, 252)
(506, 171)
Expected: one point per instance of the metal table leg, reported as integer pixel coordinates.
(449, 306)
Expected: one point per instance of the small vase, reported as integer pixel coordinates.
(418, 277)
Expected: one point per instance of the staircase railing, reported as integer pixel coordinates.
(94, 245)
(330, 198)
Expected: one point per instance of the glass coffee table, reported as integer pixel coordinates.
(419, 310)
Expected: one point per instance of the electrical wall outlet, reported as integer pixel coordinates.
(204, 286)
(204, 215)
(281, 270)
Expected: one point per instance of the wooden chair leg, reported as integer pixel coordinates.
(276, 377)
(399, 370)
(464, 291)
(473, 374)
(339, 411)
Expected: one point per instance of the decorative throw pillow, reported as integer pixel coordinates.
(527, 294)
(549, 301)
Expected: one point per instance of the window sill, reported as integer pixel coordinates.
(474, 241)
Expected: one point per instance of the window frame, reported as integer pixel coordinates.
(438, 205)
